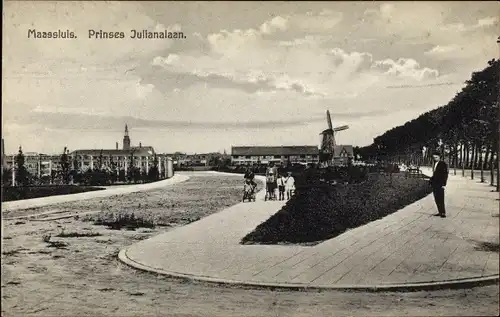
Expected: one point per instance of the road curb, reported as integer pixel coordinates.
(405, 287)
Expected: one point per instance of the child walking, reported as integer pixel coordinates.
(289, 185)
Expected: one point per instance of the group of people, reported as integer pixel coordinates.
(286, 184)
(274, 180)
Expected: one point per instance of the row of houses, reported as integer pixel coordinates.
(203, 159)
(83, 160)
(142, 157)
(281, 155)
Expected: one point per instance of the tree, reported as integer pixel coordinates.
(65, 170)
(131, 169)
(153, 173)
(22, 175)
(6, 176)
(114, 170)
(467, 126)
(100, 160)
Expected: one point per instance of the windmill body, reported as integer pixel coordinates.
(328, 143)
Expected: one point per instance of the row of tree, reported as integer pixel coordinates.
(465, 131)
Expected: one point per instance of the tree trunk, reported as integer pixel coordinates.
(492, 171)
(481, 162)
(498, 166)
(473, 158)
(492, 165)
(450, 155)
(456, 159)
(478, 151)
(467, 155)
(487, 156)
(462, 159)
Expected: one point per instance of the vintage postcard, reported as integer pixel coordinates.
(267, 158)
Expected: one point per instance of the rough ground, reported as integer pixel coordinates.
(82, 276)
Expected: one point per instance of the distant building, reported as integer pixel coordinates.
(251, 155)
(204, 159)
(342, 154)
(38, 164)
(84, 159)
(142, 157)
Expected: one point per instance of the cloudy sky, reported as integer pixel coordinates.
(247, 73)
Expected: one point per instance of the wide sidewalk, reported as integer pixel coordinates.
(108, 191)
(409, 246)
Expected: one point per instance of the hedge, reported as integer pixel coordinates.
(321, 211)
(27, 192)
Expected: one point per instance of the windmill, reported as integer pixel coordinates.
(328, 141)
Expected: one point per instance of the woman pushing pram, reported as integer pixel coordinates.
(249, 186)
(248, 191)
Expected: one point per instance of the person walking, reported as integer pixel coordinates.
(438, 182)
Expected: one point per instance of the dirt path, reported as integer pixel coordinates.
(81, 276)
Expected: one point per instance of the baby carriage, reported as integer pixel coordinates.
(248, 191)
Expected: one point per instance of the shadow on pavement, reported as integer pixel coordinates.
(487, 246)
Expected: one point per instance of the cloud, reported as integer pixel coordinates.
(406, 68)
(477, 49)
(425, 85)
(398, 18)
(485, 22)
(302, 65)
(275, 24)
(443, 49)
(353, 62)
(326, 20)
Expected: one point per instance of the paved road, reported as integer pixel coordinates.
(109, 191)
(409, 246)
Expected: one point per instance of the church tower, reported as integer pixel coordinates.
(126, 139)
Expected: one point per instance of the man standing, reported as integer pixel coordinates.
(271, 180)
(438, 182)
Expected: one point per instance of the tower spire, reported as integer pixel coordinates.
(126, 139)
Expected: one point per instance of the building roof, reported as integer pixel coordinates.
(143, 151)
(147, 148)
(275, 150)
(339, 148)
